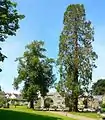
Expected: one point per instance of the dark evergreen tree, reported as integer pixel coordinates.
(76, 58)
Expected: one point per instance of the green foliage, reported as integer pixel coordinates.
(0, 89)
(68, 102)
(9, 21)
(98, 87)
(76, 58)
(103, 105)
(55, 107)
(2, 98)
(35, 70)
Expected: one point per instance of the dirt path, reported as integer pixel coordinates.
(77, 117)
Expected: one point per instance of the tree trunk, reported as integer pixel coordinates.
(32, 104)
(75, 91)
(75, 96)
(70, 108)
(75, 82)
(75, 108)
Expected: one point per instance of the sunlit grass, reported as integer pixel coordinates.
(22, 113)
(86, 114)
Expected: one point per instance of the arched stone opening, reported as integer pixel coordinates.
(48, 102)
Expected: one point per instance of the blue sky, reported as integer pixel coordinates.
(44, 21)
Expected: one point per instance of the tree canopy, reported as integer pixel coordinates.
(3, 99)
(36, 71)
(9, 21)
(98, 87)
(76, 58)
(0, 88)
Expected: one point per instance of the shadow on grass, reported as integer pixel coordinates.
(16, 115)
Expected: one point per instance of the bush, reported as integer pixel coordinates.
(55, 107)
(2, 101)
(103, 105)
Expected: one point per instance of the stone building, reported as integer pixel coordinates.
(57, 100)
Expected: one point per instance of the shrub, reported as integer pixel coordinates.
(103, 105)
(55, 107)
(3, 99)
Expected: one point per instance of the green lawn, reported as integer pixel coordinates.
(86, 114)
(22, 113)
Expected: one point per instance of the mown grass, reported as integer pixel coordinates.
(86, 114)
(22, 113)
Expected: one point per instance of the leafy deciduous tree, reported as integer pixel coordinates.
(3, 99)
(98, 87)
(36, 70)
(9, 21)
